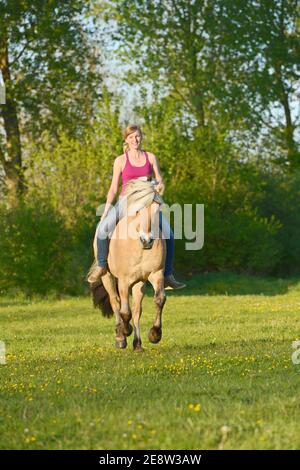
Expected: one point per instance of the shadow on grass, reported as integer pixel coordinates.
(235, 284)
(198, 284)
(21, 299)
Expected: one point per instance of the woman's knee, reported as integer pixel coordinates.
(102, 233)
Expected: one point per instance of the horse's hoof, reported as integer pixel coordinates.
(155, 334)
(121, 344)
(137, 345)
(128, 330)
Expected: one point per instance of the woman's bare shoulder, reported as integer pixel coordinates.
(152, 157)
(119, 160)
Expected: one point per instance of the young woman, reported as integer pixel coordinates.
(134, 163)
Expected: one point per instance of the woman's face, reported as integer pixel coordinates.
(134, 140)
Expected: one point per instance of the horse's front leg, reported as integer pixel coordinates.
(138, 292)
(157, 281)
(123, 327)
(109, 282)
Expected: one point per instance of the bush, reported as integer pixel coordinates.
(239, 241)
(35, 252)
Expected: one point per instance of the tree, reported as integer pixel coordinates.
(234, 64)
(49, 70)
(261, 45)
(168, 39)
(73, 175)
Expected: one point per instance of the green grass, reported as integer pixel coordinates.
(224, 360)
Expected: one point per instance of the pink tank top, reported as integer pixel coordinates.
(131, 172)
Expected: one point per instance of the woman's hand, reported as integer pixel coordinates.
(160, 188)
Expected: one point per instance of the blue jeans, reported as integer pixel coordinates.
(106, 227)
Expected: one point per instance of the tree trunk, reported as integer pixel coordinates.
(12, 164)
(293, 154)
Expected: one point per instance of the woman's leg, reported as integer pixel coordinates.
(104, 230)
(169, 237)
(170, 281)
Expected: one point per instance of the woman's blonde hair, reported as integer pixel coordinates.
(129, 130)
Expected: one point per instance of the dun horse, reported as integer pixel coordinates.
(130, 266)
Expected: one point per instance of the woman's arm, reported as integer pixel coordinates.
(114, 186)
(158, 176)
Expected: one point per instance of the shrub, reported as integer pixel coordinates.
(34, 249)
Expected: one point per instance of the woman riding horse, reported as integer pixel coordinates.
(133, 164)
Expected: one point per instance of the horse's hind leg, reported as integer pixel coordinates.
(157, 281)
(138, 292)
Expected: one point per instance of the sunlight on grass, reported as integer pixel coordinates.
(222, 376)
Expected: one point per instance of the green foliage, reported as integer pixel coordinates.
(34, 249)
(53, 76)
(251, 211)
(74, 174)
(230, 62)
(241, 241)
(206, 168)
(66, 180)
(238, 241)
(221, 120)
(281, 198)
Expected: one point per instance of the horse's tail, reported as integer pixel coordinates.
(100, 295)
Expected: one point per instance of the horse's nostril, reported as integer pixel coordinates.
(146, 242)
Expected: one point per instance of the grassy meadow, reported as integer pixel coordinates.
(221, 378)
